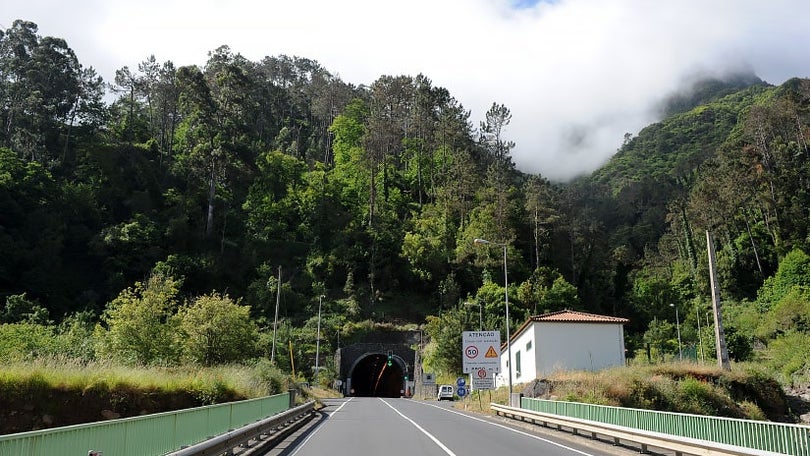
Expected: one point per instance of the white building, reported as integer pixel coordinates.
(563, 340)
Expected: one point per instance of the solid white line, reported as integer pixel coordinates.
(329, 415)
(526, 434)
(430, 436)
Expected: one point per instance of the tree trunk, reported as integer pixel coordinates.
(209, 226)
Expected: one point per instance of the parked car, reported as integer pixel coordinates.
(445, 392)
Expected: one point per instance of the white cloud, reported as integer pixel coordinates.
(577, 74)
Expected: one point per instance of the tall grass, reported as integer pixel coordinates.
(745, 392)
(207, 384)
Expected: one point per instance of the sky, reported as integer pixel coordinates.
(576, 74)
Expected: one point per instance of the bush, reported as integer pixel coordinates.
(272, 379)
(217, 330)
(139, 323)
(26, 341)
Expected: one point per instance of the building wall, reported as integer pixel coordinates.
(578, 346)
(563, 346)
(528, 360)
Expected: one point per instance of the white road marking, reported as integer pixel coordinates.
(329, 415)
(509, 429)
(430, 436)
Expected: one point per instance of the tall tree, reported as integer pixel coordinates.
(41, 80)
(542, 209)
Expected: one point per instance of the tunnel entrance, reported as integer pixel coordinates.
(373, 377)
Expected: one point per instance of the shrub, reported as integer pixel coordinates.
(26, 341)
(217, 330)
(140, 329)
(271, 378)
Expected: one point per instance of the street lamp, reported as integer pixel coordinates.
(318, 341)
(678, 326)
(479, 241)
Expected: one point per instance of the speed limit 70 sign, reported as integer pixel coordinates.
(481, 350)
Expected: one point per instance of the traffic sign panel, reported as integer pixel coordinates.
(461, 391)
(486, 383)
(481, 350)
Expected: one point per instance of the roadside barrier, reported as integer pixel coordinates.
(682, 433)
(154, 434)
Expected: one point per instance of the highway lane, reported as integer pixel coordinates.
(406, 427)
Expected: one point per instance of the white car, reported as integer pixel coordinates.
(445, 392)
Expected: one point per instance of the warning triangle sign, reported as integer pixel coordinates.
(491, 353)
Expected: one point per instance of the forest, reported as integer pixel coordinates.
(163, 217)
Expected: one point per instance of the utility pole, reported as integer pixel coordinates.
(719, 336)
(275, 320)
(318, 341)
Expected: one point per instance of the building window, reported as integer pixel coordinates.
(517, 364)
(528, 345)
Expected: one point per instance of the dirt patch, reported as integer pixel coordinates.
(798, 399)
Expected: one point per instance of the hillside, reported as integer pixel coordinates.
(241, 187)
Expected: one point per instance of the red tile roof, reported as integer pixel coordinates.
(572, 316)
(567, 316)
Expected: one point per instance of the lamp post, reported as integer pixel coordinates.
(318, 341)
(678, 326)
(479, 241)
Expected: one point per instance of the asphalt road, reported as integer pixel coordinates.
(406, 427)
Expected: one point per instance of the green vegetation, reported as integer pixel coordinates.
(48, 392)
(165, 228)
(746, 392)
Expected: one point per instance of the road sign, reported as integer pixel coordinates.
(483, 380)
(460, 382)
(481, 350)
(428, 378)
(461, 391)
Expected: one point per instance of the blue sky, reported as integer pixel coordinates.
(521, 4)
(576, 74)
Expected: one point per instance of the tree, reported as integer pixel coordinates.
(272, 204)
(19, 309)
(444, 333)
(499, 191)
(541, 209)
(794, 271)
(139, 327)
(41, 82)
(217, 330)
(660, 338)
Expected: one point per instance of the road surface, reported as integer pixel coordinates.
(407, 427)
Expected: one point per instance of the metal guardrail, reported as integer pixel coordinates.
(662, 437)
(276, 426)
(154, 434)
(779, 438)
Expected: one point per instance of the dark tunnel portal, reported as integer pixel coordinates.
(373, 377)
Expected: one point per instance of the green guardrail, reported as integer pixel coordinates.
(148, 435)
(792, 439)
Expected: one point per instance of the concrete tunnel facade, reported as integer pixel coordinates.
(365, 370)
